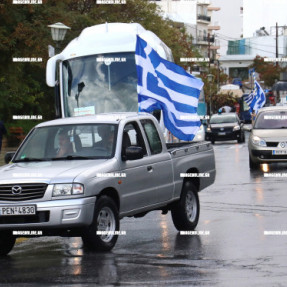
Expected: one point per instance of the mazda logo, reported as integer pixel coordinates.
(16, 189)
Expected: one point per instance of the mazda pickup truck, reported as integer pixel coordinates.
(79, 176)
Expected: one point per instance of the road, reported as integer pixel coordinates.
(238, 215)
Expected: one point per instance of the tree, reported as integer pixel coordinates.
(268, 72)
(24, 33)
(211, 89)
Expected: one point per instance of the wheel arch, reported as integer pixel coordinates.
(194, 180)
(112, 193)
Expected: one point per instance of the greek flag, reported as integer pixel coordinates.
(256, 99)
(163, 85)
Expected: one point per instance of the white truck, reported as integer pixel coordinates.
(96, 72)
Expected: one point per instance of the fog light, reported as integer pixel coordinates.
(71, 213)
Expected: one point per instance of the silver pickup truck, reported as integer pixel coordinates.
(79, 176)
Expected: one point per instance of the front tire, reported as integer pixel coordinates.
(242, 138)
(106, 220)
(185, 213)
(7, 242)
(253, 165)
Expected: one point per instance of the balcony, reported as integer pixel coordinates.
(204, 40)
(215, 46)
(203, 2)
(213, 26)
(209, 8)
(203, 18)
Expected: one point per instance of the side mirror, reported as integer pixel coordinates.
(8, 157)
(133, 153)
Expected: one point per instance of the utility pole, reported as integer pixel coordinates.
(276, 43)
(208, 39)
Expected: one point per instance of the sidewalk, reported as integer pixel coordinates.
(3, 152)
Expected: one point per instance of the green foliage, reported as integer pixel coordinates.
(211, 89)
(221, 100)
(268, 72)
(24, 33)
(26, 125)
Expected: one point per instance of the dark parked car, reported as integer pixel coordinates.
(225, 126)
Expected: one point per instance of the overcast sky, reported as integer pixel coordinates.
(263, 13)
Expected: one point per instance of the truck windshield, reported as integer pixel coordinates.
(100, 84)
(89, 141)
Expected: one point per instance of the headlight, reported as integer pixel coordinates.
(236, 128)
(258, 141)
(208, 129)
(68, 189)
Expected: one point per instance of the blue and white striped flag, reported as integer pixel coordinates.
(256, 99)
(166, 86)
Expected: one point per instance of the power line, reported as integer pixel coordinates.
(236, 39)
(254, 48)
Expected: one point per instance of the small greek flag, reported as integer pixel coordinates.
(163, 85)
(256, 99)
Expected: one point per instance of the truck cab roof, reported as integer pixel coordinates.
(112, 118)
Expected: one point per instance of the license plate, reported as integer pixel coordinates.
(221, 134)
(278, 152)
(18, 210)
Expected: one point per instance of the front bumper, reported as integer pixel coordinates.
(267, 155)
(223, 136)
(54, 214)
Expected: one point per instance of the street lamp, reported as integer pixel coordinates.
(58, 31)
(210, 79)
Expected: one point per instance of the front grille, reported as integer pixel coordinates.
(218, 130)
(272, 144)
(40, 216)
(29, 191)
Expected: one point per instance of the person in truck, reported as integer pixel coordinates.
(107, 138)
(65, 145)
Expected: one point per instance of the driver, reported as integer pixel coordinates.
(107, 138)
(65, 146)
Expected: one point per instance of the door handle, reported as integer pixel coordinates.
(149, 168)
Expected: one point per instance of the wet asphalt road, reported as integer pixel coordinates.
(236, 213)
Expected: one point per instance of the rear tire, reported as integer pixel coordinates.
(106, 219)
(7, 242)
(185, 213)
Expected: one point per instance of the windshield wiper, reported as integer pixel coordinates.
(28, 159)
(71, 157)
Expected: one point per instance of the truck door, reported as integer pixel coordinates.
(160, 164)
(137, 189)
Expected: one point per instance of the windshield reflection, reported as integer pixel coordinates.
(89, 141)
(100, 84)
